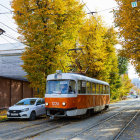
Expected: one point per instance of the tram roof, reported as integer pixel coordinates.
(75, 76)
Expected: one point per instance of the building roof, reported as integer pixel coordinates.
(10, 63)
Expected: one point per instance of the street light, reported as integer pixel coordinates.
(1, 31)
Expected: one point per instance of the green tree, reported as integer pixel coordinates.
(48, 28)
(128, 21)
(123, 65)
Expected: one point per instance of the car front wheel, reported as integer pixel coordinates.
(32, 116)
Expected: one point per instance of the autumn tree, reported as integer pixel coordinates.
(94, 53)
(48, 28)
(126, 86)
(127, 19)
(99, 54)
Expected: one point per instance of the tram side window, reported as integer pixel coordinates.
(97, 89)
(104, 89)
(93, 88)
(82, 87)
(88, 88)
(107, 89)
(101, 89)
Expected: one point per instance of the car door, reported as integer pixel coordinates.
(43, 107)
(39, 107)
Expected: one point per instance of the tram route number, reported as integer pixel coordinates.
(55, 103)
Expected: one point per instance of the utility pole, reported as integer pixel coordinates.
(1, 31)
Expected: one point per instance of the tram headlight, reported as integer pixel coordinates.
(63, 103)
(47, 104)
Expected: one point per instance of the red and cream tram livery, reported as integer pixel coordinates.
(70, 94)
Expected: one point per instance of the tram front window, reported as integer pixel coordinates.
(59, 87)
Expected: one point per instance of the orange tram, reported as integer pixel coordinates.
(70, 94)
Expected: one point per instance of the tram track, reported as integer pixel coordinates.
(15, 129)
(92, 126)
(32, 130)
(85, 130)
(126, 126)
(46, 126)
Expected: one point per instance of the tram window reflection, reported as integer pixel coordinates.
(97, 89)
(71, 88)
(57, 87)
(101, 89)
(88, 87)
(108, 89)
(93, 88)
(81, 87)
(104, 90)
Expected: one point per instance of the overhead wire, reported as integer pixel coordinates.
(8, 42)
(8, 27)
(17, 32)
(7, 14)
(107, 9)
(92, 15)
(8, 17)
(7, 35)
(56, 14)
(6, 7)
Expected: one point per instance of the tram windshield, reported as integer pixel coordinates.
(61, 87)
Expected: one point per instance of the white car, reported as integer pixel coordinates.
(27, 108)
(132, 96)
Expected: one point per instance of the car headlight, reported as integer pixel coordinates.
(63, 103)
(47, 104)
(25, 109)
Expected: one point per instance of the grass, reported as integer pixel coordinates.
(3, 118)
(3, 115)
(114, 101)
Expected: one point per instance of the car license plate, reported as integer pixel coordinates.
(14, 114)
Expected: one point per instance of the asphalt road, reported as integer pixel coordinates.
(78, 128)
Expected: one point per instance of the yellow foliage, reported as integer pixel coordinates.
(49, 28)
(98, 42)
(128, 21)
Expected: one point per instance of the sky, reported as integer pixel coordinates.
(103, 7)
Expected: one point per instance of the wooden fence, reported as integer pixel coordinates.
(11, 91)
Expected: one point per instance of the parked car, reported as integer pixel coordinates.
(28, 108)
(132, 96)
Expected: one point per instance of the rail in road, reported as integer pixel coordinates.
(99, 123)
(126, 126)
(37, 128)
(30, 130)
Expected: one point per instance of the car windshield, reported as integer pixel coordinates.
(26, 102)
